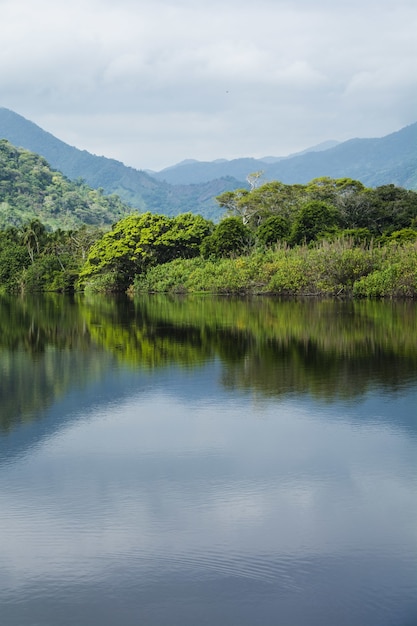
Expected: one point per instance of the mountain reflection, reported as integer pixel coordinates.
(331, 350)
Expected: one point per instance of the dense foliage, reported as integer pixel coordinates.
(324, 206)
(329, 236)
(336, 268)
(138, 242)
(35, 259)
(30, 189)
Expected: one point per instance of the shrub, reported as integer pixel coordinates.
(403, 235)
(396, 275)
(337, 265)
(336, 268)
(290, 277)
(108, 282)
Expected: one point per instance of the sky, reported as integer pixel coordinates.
(154, 82)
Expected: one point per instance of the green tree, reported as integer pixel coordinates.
(34, 236)
(401, 236)
(273, 198)
(14, 258)
(274, 228)
(333, 190)
(391, 208)
(229, 237)
(140, 241)
(185, 235)
(234, 202)
(315, 219)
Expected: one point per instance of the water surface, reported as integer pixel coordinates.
(201, 461)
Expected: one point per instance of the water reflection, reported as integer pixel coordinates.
(330, 350)
(207, 461)
(163, 503)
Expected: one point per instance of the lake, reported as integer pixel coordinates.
(186, 461)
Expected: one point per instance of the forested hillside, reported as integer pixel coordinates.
(30, 189)
(134, 187)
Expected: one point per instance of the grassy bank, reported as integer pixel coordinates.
(329, 269)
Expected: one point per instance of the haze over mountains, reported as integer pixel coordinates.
(193, 185)
(375, 162)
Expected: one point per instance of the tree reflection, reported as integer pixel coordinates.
(329, 349)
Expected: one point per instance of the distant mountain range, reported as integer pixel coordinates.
(191, 171)
(375, 162)
(193, 185)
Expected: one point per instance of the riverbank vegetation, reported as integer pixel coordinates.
(330, 237)
(327, 238)
(337, 268)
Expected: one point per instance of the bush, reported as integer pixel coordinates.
(395, 281)
(290, 277)
(337, 265)
(109, 282)
(396, 275)
(336, 268)
(402, 236)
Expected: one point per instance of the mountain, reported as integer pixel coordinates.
(193, 185)
(30, 189)
(202, 171)
(135, 187)
(191, 171)
(375, 162)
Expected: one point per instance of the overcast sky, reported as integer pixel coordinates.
(153, 82)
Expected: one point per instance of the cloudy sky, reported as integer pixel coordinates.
(153, 82)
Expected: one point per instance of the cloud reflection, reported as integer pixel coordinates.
(155, 483)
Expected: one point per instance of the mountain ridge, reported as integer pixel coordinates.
(324, 145)
(193, 185)
(375, 161)
(135, 187)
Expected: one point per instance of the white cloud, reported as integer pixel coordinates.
(268, 78)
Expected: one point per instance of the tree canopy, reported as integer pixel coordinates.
(141, 240)
(350, 205)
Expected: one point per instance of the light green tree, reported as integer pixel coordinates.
(140, 241)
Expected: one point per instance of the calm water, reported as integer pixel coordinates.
(199, 461)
